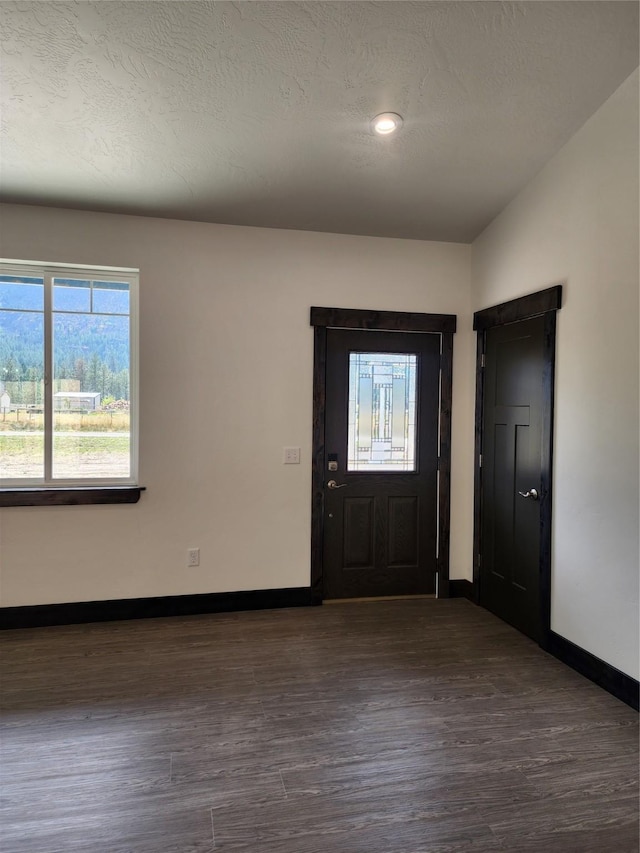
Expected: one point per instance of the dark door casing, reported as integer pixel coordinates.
(440, 328)
(514, 460)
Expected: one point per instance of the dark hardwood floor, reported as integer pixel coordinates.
(416, 726)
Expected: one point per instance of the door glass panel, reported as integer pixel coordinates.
(382, 412)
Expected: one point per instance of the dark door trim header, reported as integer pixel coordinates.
(523, 308)
(382, 321)
(398, 321)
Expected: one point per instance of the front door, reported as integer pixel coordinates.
(380, 463)
(512, 487)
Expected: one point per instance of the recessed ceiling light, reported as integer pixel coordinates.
(386, 123)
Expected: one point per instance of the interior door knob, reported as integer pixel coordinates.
(333, 485)
(532, 494)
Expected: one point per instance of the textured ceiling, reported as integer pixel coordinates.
(257, 113)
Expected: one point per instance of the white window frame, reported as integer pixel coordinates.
(49, 271)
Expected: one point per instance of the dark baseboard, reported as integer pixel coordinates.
(74, 613)
(620, 685)
(462, 589)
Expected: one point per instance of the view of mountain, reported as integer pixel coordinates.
(90, 334)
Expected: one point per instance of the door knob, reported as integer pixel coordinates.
(532, 493)
(333, 485)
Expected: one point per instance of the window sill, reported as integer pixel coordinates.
(70, 495)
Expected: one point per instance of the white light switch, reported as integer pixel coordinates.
(291, 456)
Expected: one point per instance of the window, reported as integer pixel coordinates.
(68, 376)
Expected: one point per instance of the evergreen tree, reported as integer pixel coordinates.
(80, 373)
(93, 377)
(11, 373)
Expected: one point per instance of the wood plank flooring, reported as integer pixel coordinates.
(416, 726)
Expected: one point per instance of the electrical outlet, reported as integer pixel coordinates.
(291, 456)
(193, 557)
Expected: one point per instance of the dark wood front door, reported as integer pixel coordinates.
(380, 463)
(512, 485)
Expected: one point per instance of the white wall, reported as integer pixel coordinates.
(225, 334)
(577, 224)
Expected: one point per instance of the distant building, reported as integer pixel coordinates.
(76, 400)
(5, 402)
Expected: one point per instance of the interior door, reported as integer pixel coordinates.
(380, 463)
(511, 473)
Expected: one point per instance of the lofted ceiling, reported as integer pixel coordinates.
(257, 113)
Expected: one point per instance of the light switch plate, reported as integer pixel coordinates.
(291, 456)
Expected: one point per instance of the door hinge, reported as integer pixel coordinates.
(482, 360)
(479, 560)
(480, 461)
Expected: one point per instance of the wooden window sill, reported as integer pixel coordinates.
(70, 495)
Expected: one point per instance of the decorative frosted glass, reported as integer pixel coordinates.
(382, 412)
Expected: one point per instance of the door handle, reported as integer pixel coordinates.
(333, 485)
(532, 493)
